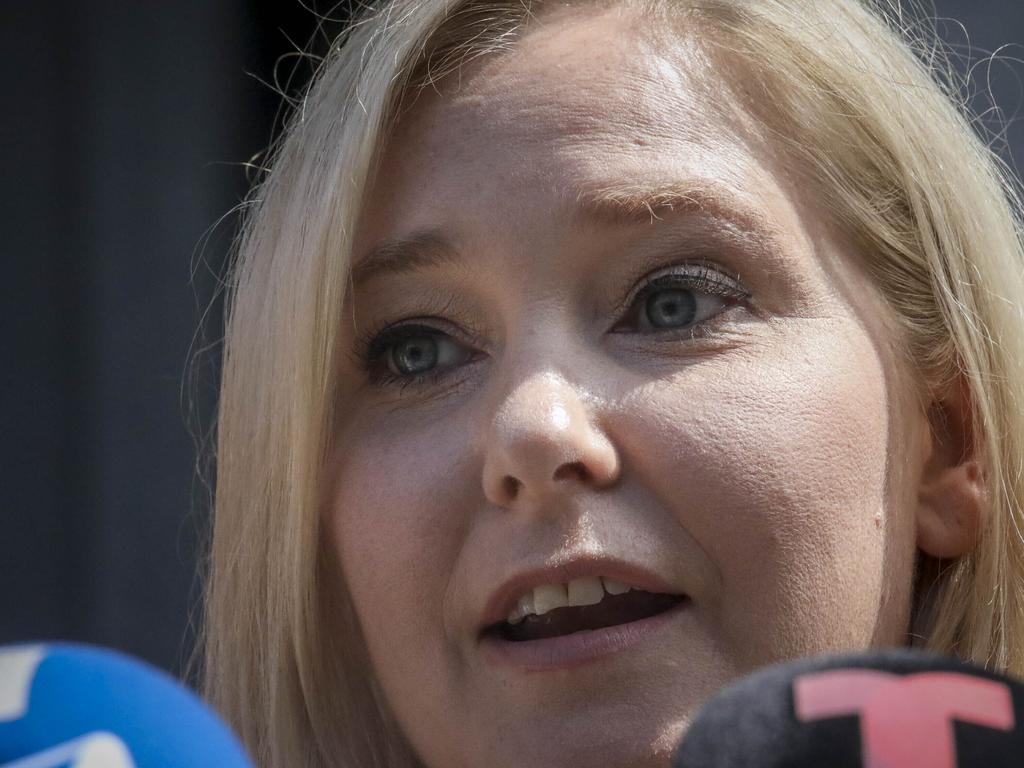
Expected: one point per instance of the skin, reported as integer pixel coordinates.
(776, 466)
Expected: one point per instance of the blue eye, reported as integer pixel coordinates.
(684, 298)
(670, 308)
(680, 300)
(411, 354)
(414, 354)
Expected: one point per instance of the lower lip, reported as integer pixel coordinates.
(578, 648)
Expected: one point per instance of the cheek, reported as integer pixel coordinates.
(395, 523)
(774, 461)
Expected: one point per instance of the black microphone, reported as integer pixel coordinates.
(892, 709)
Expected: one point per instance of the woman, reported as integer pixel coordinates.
(583, 357)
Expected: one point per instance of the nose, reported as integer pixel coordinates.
(542, 440)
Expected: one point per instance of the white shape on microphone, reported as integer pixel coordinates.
(17, 671)
(95, 750)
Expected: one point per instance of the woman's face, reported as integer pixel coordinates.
(610, 338)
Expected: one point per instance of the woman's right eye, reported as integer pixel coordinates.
(411, 354)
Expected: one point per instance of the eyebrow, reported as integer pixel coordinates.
(612, 205)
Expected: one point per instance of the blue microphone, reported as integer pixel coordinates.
(65, 705)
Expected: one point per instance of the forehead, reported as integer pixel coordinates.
(581, 71)
(586, 96)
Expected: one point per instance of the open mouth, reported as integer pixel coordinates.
(611, 611)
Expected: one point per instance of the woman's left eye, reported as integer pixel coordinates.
(681, 299)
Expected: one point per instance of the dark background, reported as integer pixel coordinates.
(124, 131)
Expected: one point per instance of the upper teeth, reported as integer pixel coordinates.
(547, 597)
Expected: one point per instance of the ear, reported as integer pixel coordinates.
(952, 495)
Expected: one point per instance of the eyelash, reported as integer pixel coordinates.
(372, 345)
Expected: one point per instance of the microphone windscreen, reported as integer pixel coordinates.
(65, 705)
(892, 709)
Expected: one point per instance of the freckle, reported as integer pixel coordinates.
(640, 142)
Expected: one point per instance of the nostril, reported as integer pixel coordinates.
(511, 487)
(574, 468)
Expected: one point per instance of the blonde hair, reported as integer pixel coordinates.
(854, 91)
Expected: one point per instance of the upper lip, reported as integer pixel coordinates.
(505, 597)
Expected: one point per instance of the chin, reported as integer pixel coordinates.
(572, 742)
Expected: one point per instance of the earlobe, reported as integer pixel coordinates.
(952, 495)
(952, 512)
